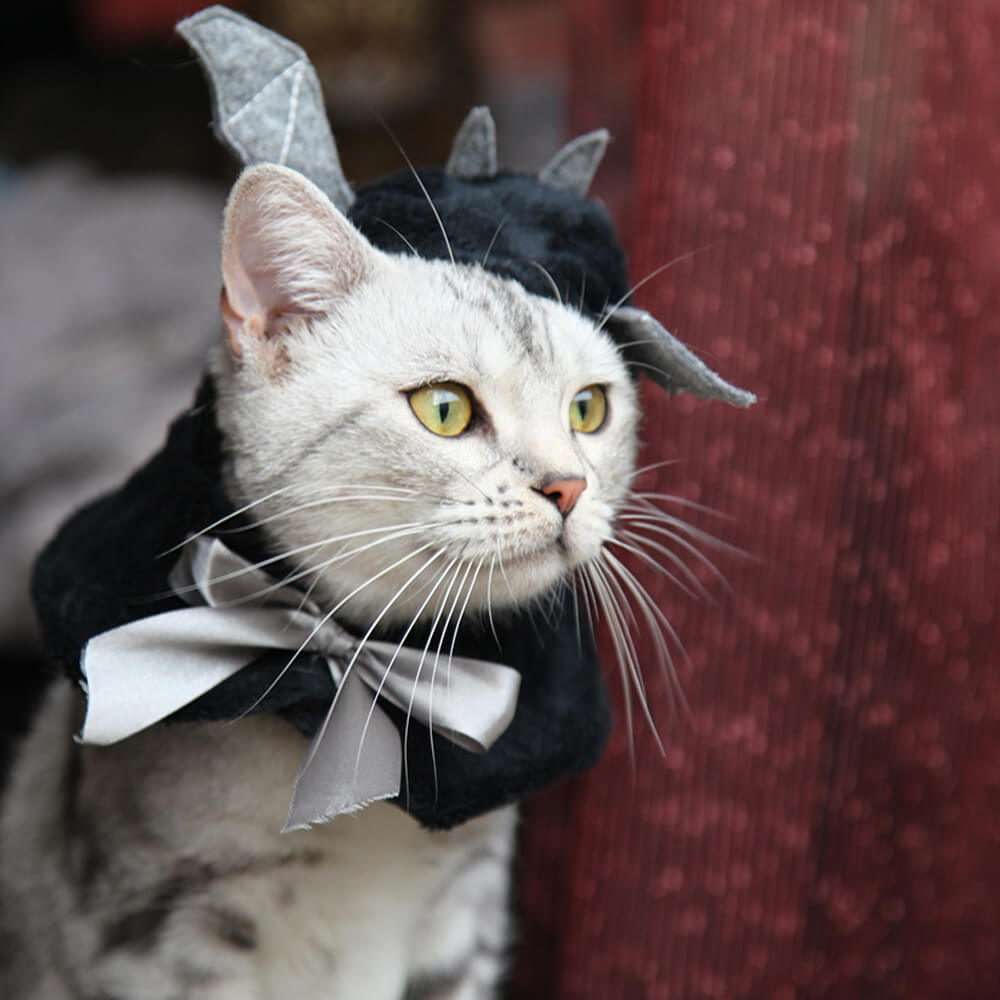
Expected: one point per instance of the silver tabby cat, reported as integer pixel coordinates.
(475, 443)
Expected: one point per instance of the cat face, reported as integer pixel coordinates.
(416, 436)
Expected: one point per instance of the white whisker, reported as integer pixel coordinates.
(327, 502)
(589, 608)
(332, 611)
(222, 520)
(650, 524)
(275, 493)
(444, 628)
(461, 615)
(624, 616)
(307, 593)
(293, 577)
(637, 545)
(437, 658)
(423, 189)
(503, 572)
(416, 679)
(644, 365)
(658, 625)
(361, 643)
(496, 236)
(576, 614)
(609, 313)
(399, 645)
(647, 497)
(642, 470)
(643, 508)
(551, 280)
(399, 530)
(390, 226)
(489, 601)
(598, 598)
(477, 488)
(550, 606)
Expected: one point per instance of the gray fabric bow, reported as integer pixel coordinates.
(143, 671)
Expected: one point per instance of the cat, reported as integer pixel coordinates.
(436, 403)
(410, 422)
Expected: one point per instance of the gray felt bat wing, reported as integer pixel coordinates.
(667, 361)
(268, 102)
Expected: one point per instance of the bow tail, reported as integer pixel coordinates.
(346, 766)
(139, 673)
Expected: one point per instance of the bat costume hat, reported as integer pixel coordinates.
(167, 606)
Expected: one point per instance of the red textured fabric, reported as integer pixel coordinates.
(826, 822)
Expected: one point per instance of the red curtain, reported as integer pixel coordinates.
(826, 819)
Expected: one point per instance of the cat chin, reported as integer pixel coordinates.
(525, 577)
(514, 584)
(521, 578)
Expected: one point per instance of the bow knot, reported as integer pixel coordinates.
(238, 611)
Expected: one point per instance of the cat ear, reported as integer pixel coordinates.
(646, 345)
(287, 254)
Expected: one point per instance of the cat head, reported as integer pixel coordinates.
(415, 436)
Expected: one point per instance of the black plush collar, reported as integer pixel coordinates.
(106, 566)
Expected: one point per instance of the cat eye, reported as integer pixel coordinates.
(444, 407)
(588, 409)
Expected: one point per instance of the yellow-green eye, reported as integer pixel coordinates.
(588, 409)
(444, 408)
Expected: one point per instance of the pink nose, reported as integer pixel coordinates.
(565, 492)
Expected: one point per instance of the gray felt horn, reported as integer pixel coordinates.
(474, 154)
(658, 354)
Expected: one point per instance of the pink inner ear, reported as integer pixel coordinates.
(286, 252)
(243, 294)
(239, 327)
(249, 302)
(266, 269)
(269, 278)
(234, 324)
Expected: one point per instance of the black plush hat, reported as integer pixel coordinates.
(107, 565)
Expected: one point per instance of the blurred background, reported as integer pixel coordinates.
(826, 819)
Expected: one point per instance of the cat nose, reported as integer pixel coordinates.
(564, 492)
